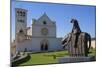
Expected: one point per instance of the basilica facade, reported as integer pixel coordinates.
(41, 36)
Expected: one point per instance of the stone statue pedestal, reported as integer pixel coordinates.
(68, 59)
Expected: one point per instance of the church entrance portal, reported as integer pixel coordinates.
(44, 45)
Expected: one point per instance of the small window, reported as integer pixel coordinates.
(18, 13)
(21, 31)
(23, 13)
(44, 22)
(20, 20)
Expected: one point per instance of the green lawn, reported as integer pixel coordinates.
(45, 58)
(92, 52)
(48, 57)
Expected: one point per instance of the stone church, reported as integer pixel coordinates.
(41, 36)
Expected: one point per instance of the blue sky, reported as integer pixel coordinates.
(60, 13)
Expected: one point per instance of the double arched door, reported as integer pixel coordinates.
(44, 45)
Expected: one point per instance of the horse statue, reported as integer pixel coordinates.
(78, 42)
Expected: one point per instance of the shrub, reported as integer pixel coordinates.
(21, 60)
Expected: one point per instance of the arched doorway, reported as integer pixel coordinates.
(44, 45)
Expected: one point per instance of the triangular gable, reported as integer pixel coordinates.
(45, 18)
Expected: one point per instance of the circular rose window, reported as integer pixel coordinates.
(44, 31)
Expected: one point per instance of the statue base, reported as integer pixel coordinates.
(69, 59)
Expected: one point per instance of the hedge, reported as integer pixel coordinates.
(21, 60)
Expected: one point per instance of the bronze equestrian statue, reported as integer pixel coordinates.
(78, 42)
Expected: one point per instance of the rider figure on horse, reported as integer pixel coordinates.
(75, 30)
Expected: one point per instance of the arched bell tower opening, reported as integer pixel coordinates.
(44, 45)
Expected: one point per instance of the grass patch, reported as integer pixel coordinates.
(45, 58)
(49, 57)
(92, 52)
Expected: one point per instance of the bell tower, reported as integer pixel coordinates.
(21, 23)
